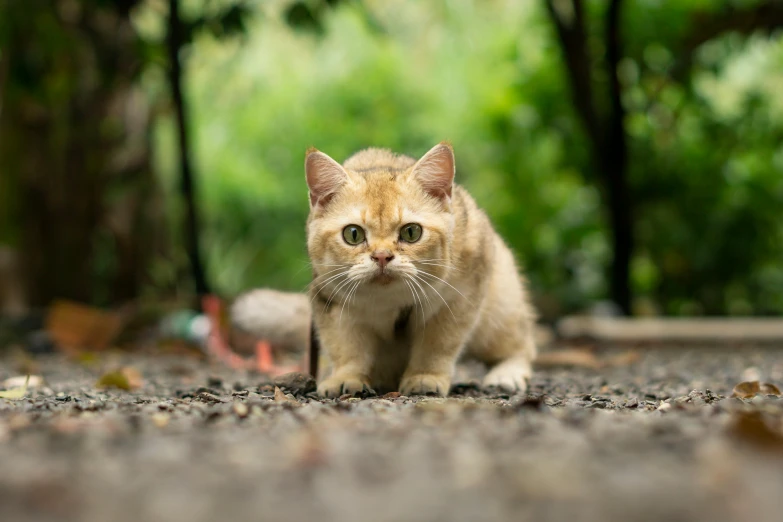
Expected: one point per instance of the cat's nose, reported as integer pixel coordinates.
(382, 257)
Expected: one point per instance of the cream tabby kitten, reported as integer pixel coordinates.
(408, 275)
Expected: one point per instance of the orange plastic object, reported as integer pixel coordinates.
(218, 347)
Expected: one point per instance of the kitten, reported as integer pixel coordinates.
(408, 274)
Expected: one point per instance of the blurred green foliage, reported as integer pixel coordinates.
(458, 71)
(706, 159)
(704, 118)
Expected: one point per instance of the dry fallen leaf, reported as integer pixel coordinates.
(568, 357)
(749, 427)
(282, 397)
(14, 394)
(115, 379)
(767, 388)
(134, 377)
(746, 390)
(124, 379)
(33, 381)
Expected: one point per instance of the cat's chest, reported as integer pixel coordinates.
(382, 310)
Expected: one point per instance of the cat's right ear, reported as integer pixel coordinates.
(324, 177)
(435, 171)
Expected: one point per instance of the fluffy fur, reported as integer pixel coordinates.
(395, 314)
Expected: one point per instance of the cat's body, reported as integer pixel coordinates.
(408, 275)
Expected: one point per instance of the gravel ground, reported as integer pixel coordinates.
(658, 439)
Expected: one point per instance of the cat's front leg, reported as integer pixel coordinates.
(434, 354)
(351, 355)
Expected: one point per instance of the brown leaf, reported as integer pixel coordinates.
(746, 390)
(767, 388)
(749, 427)
(282, 397)
(574, 357)
(134, 377)
(124, 379)
(115, 379)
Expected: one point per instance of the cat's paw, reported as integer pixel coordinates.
(344, 384)
(511, 378)
(425, 384)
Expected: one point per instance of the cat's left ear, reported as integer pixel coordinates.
(435, 171)
(324, 177)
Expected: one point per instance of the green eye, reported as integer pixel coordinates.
(410, 233)
(353, 234)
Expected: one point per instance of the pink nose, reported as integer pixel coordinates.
(382, 257)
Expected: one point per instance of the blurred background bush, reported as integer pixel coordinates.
(152, 149)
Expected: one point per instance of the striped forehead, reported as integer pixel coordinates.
(382, 204)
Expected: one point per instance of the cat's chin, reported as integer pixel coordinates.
(383, 279)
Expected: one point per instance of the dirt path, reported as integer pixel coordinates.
(655, 440)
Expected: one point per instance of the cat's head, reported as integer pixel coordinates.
(381, 218)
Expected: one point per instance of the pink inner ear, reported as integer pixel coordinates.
(435, 171)
(324, 177)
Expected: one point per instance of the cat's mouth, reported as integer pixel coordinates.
(383, 278)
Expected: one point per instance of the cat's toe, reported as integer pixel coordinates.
(336, 386)
(425, 384)
(368, 392)
(510, 376)
(508, 381)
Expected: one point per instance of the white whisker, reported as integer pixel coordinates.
(445, 282)
(450, 267)
(410, 289)
(426, 296)
(441, 297)
(348, 280)
(324, 283)
(348, 298)
(314, 283)
(308, 264)
(421, 304)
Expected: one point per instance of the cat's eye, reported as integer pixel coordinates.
(410, 233)
(353, 234)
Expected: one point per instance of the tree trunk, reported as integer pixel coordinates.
(615, 167)
(63, 142)
(605, 132)
(188, 188)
